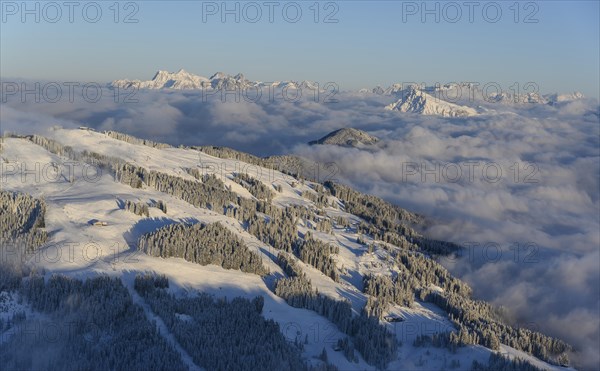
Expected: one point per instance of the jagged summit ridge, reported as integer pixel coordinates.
(184, 80)
(347, 137)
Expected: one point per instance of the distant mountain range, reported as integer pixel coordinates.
(449, 100)
(474, 92)
(183, 80)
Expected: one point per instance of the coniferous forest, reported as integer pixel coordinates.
(202, 244)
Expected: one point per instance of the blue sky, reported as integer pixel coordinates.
(373, 43)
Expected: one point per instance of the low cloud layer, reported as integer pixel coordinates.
(521, 186)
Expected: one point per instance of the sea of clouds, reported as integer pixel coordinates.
(518, 186)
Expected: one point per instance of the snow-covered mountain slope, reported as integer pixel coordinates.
(417, 101)
(76, 179)
(349, 137)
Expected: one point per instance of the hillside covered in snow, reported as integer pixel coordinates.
(149, 256)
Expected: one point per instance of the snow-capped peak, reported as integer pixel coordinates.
(165, 79)
(414, 100)
(218, 75)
